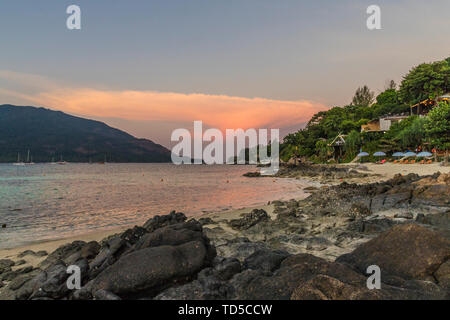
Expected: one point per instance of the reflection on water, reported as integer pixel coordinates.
(45, 201)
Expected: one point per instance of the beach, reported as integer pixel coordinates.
(338, 213)
(376, 173)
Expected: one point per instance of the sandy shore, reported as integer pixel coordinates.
(388, 170)
(50, 246)
(377, 173)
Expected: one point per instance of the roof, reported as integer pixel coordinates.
(339, 140)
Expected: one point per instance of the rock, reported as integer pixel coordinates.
(82, 294)
(90, 250)
(205, 221)
(294, 271)
(407, 251)
(404, 215)
(227, 268)
(371, 226)
(248, 220)
(20, 262)
(62, 253)
(162, 221)
(5, 265)
(442, 275)
(105, 295)
(172, 235)
(255, 174)
(323, 287)
(54, 286)
(152, 269)
(10, 275)
(32, 253)
(266, 260)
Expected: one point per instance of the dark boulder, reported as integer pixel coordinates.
(406, 251)
(147, 271)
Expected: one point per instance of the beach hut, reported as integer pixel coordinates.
(338, 144)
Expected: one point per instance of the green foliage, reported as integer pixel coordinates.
(427, 80)
(412, 135)
(363, 97)
(437, 126)
(388, 96)
(352, 144)
(323, 150)
(423, 81)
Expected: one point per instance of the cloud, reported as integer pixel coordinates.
(219, 111)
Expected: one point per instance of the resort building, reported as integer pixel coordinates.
(422, 108)
(382, 124)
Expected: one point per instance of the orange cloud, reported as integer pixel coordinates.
(215, 110)
(219, 111)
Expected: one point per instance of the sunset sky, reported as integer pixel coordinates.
(150, 66)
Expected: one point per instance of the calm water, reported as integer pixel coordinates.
(43, 201)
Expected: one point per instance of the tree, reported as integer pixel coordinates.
(391, 85)
(352, 143)
(414, 134)
(427, 80)
(437, 126)
(363, 97)
(323, 150)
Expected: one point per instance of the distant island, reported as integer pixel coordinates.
(53, 136)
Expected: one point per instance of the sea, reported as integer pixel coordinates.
(49, 201)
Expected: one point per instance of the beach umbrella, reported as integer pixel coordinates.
(363, 154)
(410, 154)
(398, 154)
(424, 154)
(379, 154)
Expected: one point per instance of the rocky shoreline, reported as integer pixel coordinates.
(315, 248)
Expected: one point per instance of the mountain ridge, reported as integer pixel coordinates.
(50, 134)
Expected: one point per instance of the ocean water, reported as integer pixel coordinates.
(43, 202)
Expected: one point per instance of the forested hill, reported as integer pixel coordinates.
(53, 134)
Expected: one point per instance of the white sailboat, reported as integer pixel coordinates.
(18, 163)
(28, 158)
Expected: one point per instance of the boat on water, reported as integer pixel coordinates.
(29, 159)
(62, 162)
(18, 163)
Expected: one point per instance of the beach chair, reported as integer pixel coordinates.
(422, 162)
(383, 161)
(395, 161)
(412, 162)
(405, 162)
(429, 161)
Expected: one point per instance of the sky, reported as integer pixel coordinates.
(151, 66)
